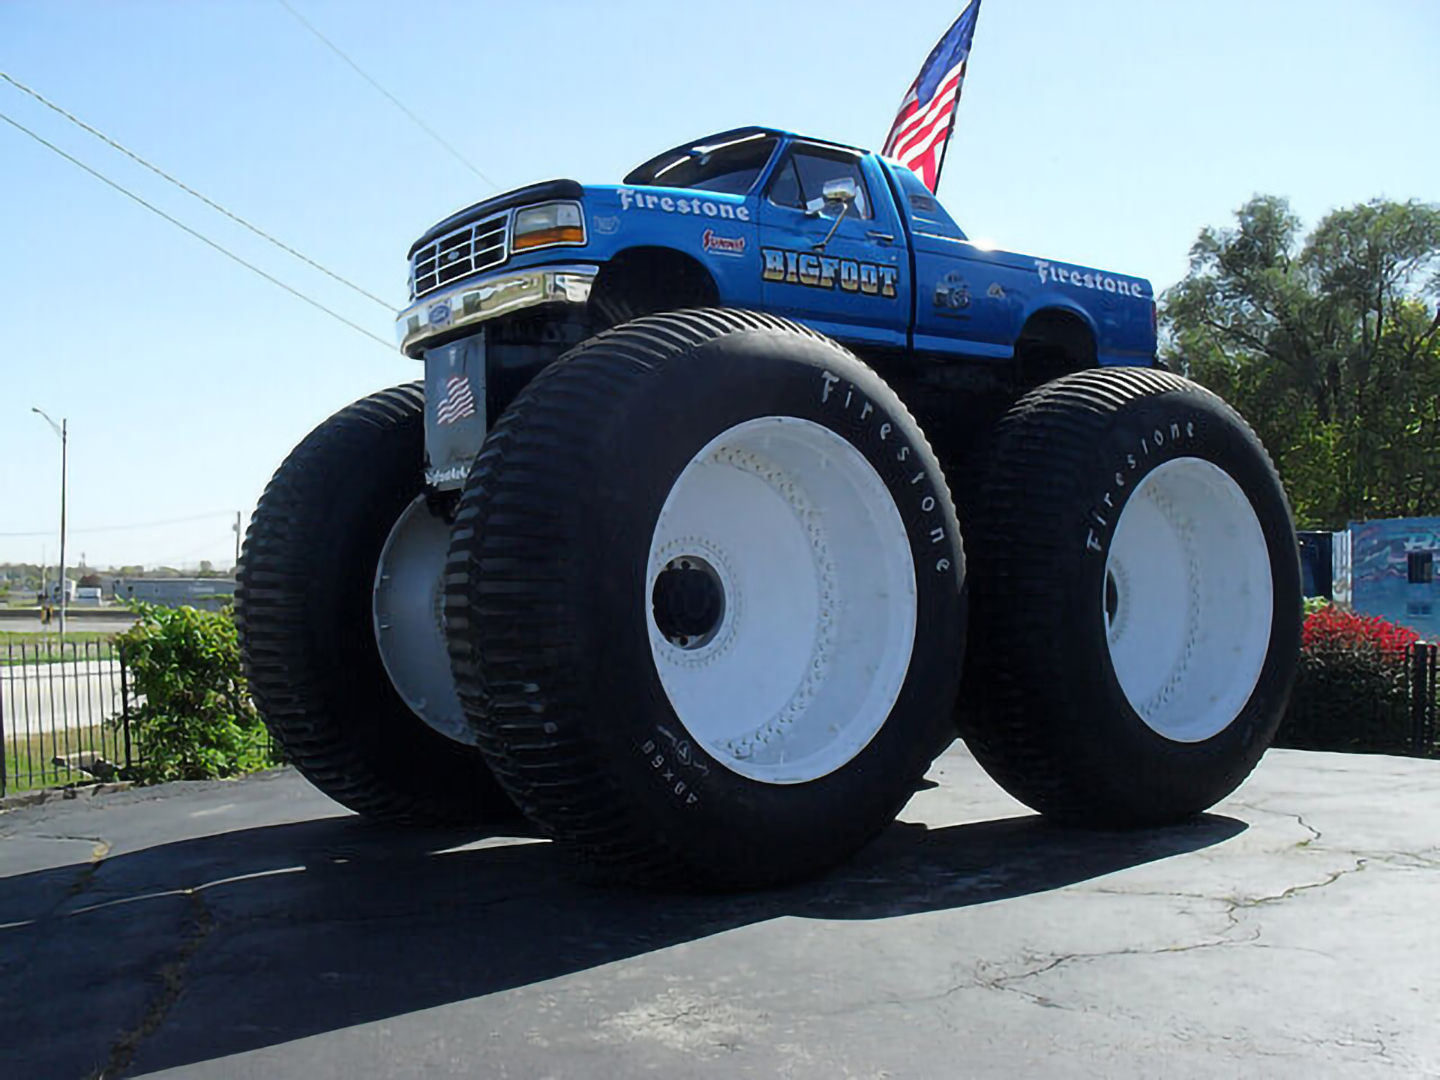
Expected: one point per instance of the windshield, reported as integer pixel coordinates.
(730, 168)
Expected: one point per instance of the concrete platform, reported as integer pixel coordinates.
(251, 929)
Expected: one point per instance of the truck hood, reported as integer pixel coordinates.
(506, 200)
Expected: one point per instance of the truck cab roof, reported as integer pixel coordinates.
(653, 170)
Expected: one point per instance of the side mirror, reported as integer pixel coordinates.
(843, 191)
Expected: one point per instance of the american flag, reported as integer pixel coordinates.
(922, 126)
(458, 402)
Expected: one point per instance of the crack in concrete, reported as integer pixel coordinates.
(1420, 859)
(671, 1019)
(173, 977)
(86, 877)
(1299, 819)
(1004, 982)
(1234, 908)
(1295, 890)
(19, 960)
(1315, 834)
(100, 848)
(1405, 860)
(1152, 892)
(1377, 1046)
(67, 836)
(1237, 905)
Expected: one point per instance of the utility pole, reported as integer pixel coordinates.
(61, 429)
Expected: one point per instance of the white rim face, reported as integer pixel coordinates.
(409, 611)
(780, 598)
(1188, 600)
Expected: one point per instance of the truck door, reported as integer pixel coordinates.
(855, 286)
(968, 300)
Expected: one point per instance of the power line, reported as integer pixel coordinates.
(124, 528)
(191, 191)
(393, 99)
(198, 236)
(176, 560)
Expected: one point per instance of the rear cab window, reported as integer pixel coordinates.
(923, 209)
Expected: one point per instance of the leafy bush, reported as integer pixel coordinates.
(1351, 691)
(196, 720)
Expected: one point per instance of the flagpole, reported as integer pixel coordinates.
(959, 90)
(954, 111)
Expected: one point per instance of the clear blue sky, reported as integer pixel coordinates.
(1106, 133)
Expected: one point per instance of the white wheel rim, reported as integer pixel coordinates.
(799, 535)
(409, 613)
(1188, 600)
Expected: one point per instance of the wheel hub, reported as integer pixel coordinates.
(409, 617)
(688, 602)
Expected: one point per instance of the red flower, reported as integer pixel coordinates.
(1330, 628)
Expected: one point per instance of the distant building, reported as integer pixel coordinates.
(177, 592)
(1388, 568)
(53, 589)
(87, 596)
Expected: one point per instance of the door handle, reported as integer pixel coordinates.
(883, 237)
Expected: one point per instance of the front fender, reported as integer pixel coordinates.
(718, 231)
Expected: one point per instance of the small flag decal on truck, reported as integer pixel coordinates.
(458, 402)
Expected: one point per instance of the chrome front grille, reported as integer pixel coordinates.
(459, 254)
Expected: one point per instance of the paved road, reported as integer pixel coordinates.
(73, 624)
(253, 930)
(39, 698)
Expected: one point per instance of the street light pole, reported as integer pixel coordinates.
(63, 430)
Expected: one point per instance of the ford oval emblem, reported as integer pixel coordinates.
(439, 314)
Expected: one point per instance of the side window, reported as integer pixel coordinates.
(785, 187)
(802, 179)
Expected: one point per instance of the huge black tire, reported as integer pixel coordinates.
(1135, 573)
(307, 631)
(665, 533)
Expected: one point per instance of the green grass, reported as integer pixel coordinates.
(27, 758)
(45, 648)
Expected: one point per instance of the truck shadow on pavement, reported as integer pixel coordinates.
(211, 946)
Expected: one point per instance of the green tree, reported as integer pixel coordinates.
(1328, 346)
(196, 720)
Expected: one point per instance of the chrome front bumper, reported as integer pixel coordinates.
(470, 303)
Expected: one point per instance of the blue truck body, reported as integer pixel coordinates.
(903, 276)
(842, 240)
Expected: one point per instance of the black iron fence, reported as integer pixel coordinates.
(64, 713)
(1424, 699)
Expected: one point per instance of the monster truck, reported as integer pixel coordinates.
(663, 551)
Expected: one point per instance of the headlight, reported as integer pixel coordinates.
(546, 225)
